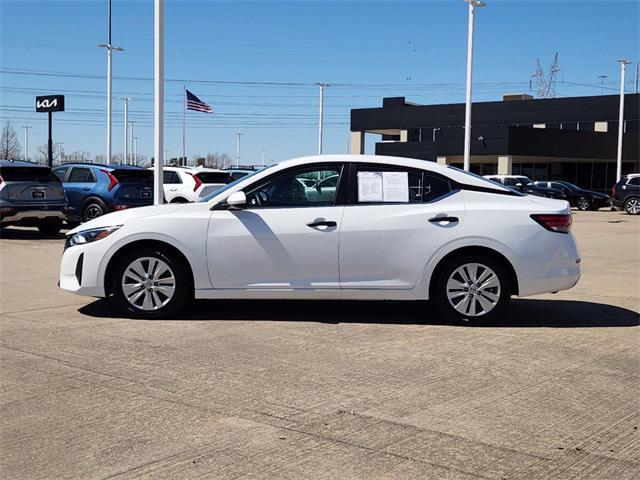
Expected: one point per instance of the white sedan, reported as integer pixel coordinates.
(392, 228)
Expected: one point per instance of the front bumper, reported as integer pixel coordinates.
(79, 271)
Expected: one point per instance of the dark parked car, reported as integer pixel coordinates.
(625, 195)
(31, 196)
(525, 185)
(93, 189)
(576, 196)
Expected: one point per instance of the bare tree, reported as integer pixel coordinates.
(9, 145)
(217, 160)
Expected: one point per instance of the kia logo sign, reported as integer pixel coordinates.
(50, 103)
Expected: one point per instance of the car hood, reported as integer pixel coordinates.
(123, 216)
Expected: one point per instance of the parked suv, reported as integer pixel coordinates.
(185, 184)
(30, 195)
(94, 189)
(577, 197)
(626, 194)
(524, 184)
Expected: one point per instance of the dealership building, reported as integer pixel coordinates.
(573, 139)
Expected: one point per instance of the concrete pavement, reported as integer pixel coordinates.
(326, 390)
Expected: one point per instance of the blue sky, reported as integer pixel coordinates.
(367, 49)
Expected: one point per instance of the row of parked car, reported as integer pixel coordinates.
(38, 196)
(35, 195)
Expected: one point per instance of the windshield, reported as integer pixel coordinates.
(229, 186)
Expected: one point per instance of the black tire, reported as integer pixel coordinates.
(632, 205)
(94, 208)
(444, 305)
(179, 200)
(583, 204)
(181, 274)
(50, 227)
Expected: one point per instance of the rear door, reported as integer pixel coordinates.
(80, 183)
(395, 220)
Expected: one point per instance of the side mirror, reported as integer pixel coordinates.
(237, 200)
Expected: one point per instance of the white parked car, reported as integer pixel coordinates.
(392, 228)
(185, 184)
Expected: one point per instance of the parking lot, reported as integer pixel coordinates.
(327, 390)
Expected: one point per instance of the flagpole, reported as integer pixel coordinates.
(184, 123)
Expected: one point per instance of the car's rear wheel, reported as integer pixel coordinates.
(93, 209)
(632, 206)
(472, 289)
(50, 227)
(150, 283)
(583, 204)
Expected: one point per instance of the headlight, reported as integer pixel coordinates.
(89, 236)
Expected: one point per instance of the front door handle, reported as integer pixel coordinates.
(322, 223)
(444, 219)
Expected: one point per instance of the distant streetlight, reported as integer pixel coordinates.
(467, 116)
(26, 142)
(238, 135)
(125, 159)
(602, 77)
(158, 101)
(623, 69)
(321, 116)
(110, 48)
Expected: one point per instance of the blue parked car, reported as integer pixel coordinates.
(93, 189)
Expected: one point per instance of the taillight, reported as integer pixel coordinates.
(613, 191)
(121, 207)
(555, 223)
(113, 181)
(197, 180)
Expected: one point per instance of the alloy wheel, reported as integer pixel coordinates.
(632, 206)
(148, 283)
(93, 211)
(583, 204)
(473, 289)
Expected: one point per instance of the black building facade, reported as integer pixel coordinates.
(573, 139)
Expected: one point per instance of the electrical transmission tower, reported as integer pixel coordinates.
(546, 84)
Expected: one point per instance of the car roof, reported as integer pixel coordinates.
(20, 163)
(109, 166)
(175, 168)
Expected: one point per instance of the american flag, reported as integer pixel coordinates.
(194, 103)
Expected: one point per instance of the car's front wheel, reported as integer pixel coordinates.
(150, 283)
(472, 289)
(632, 206)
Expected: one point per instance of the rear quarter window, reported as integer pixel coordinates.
(214, 177)
(634, 181)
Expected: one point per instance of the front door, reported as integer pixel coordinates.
(286, 237)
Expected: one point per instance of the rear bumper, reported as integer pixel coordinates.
(617, 204)
(31, 215)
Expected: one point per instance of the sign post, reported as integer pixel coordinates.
(49, 104)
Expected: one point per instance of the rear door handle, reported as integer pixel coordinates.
(444, 219)
(322, 223)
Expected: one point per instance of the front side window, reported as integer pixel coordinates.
(81, 175)
(306, 187)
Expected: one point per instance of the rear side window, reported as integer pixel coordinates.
(634, 181)
(395, 184)
(214, 177)
(237, 175)
(81, 175)
(27, 174)
(133, 176)
(170, 176)
(60, 172)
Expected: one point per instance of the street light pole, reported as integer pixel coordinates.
(321, 116)
(135, 151)
(602, 77)
(131, 144)
(110, 49)
(467, 115)
(126, 130)
(238, 135)
(26, 142)
(158, 101)
(623, 69)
